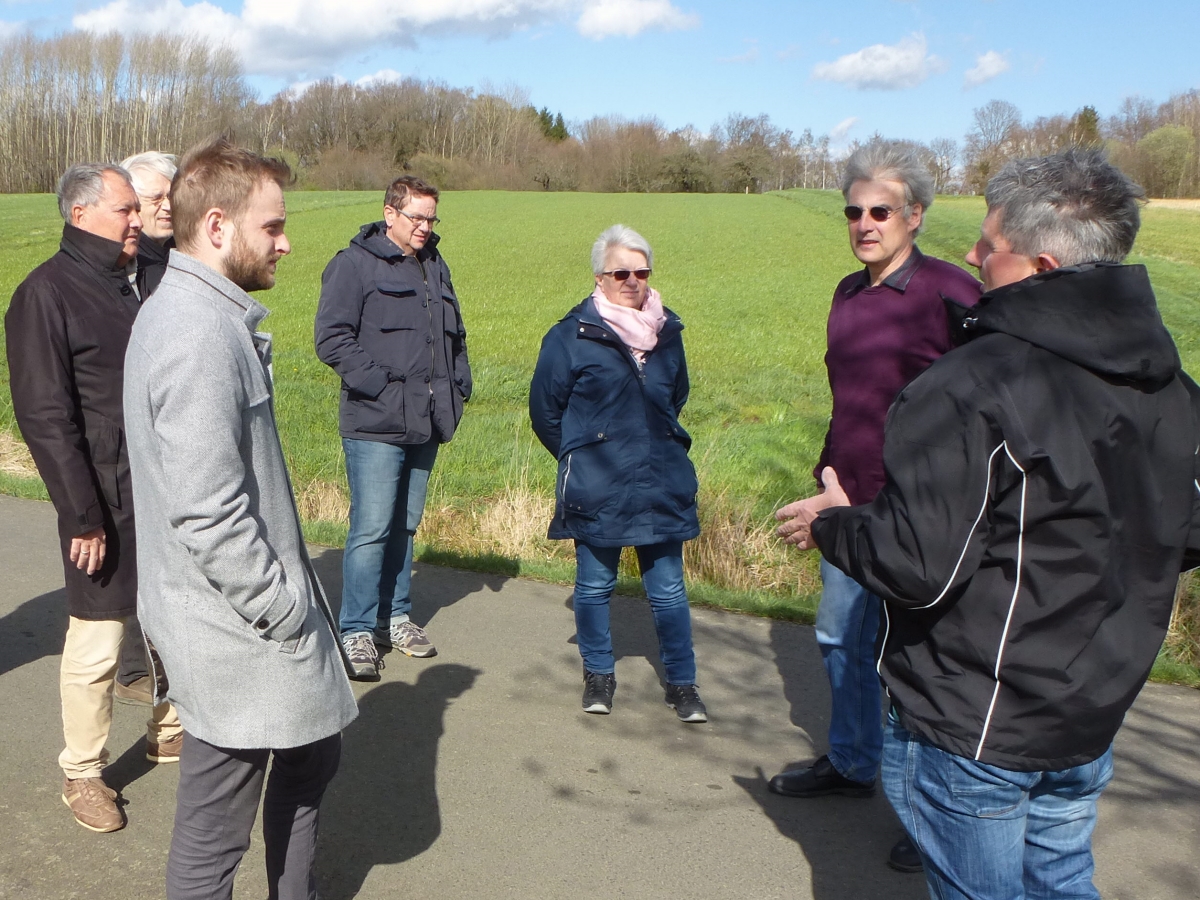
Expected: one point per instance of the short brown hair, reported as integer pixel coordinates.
(399, 191)
(222, 176)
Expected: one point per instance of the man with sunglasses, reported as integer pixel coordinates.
(390, 325)
(887, 324)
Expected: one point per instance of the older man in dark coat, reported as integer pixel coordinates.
(67, 329)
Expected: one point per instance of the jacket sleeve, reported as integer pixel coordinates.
(1191, 552)
(460, 365)
(43, 393)
(924, 534)
(683, 385)
(339, 317)
(550, 390)
(198, 407)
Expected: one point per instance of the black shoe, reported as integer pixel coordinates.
(904, 857)
(687, 703)
(819, 779)
(598, 692)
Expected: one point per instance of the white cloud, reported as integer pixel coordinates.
(884, 67)
(300, 36)
(842, 128)
(987, 66)
(10, 29)
(625, 18)
(381, 77)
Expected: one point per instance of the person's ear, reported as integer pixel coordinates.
(916, 217)
(389, 215)
(1046, 263)
(216, 227)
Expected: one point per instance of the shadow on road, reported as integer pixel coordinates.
(382, 808)
(34, 629)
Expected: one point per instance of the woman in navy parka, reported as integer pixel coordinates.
(609, 384)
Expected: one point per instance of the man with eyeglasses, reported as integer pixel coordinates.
(151, 173)
(390, 325)
(887, 324)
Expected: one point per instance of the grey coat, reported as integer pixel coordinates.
(226, 590)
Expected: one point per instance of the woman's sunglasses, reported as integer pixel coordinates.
(623, 274)
(878, 213)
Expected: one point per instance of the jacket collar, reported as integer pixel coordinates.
(899, 279)
(593, 326)
(91, 249)
(240, 304)
(151, 252)
(1102, 316)
(373, 238)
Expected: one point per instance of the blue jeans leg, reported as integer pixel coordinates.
(388, 483)
(847, 626)
(986, 833)
(662, 577)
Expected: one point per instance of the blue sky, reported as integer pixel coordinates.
(907, 69)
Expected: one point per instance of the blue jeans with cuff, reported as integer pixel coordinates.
(986, 833)
(662, 577)
(388, 483)
(847, 626)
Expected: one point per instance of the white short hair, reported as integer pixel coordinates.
(619, 236)
(163, 164)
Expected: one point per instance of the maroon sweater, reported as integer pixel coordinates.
(880, 339)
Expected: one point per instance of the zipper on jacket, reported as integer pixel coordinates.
(566, 476)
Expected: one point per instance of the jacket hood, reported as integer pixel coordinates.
(92, 249)
(373, 238)
(1102, 316)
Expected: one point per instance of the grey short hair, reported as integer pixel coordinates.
(619, 236)
(889, 161)
(83, 184)
(1075, 205)
(164, 164)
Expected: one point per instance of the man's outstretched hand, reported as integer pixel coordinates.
(797, 518)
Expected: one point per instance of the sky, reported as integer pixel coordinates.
(911, 69)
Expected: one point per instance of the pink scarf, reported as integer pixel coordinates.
(637, 328)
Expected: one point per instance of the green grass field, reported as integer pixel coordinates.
(751, 276)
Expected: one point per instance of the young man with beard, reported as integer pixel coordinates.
(1040, 501)
(228, 594)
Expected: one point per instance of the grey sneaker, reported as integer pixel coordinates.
(364, 658)
(408, 637)
(687, 703)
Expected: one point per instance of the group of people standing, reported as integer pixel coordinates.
(1007, 494)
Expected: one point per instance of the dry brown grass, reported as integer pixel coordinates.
(323, 501)
(1183, 637)
(15, 458)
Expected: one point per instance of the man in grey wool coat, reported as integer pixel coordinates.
(227, 593)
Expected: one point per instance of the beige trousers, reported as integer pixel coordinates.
(89, 669)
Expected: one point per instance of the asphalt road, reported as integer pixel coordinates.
(475, 774)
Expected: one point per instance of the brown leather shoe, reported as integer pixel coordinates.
(136, 693)
(166, 752)
(93, 803)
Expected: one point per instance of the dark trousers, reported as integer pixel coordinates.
(216, 804)
(133, 653)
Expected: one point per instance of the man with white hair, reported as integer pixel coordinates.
(67, 329)
(151, 173)
(887, 323)
(1040, 502)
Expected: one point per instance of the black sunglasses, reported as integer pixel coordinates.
(623, 274)
(878, 213)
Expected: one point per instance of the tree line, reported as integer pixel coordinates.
(80, 96)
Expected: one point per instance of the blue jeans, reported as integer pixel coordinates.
(987, 833)
(847, 625)
(662, 577)
(387, 497)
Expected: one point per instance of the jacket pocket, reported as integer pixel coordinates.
(394, 308)
(378, 415)
(585, 482)
(104, 446)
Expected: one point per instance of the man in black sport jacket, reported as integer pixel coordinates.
(1041, 500)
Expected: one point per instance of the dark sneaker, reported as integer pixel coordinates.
(364, 658)
(598, 690)
(687, 703)
(93, 803)
(165, 751)
(904, 857)
(407, 637)
(137, 693)
(818, 780)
